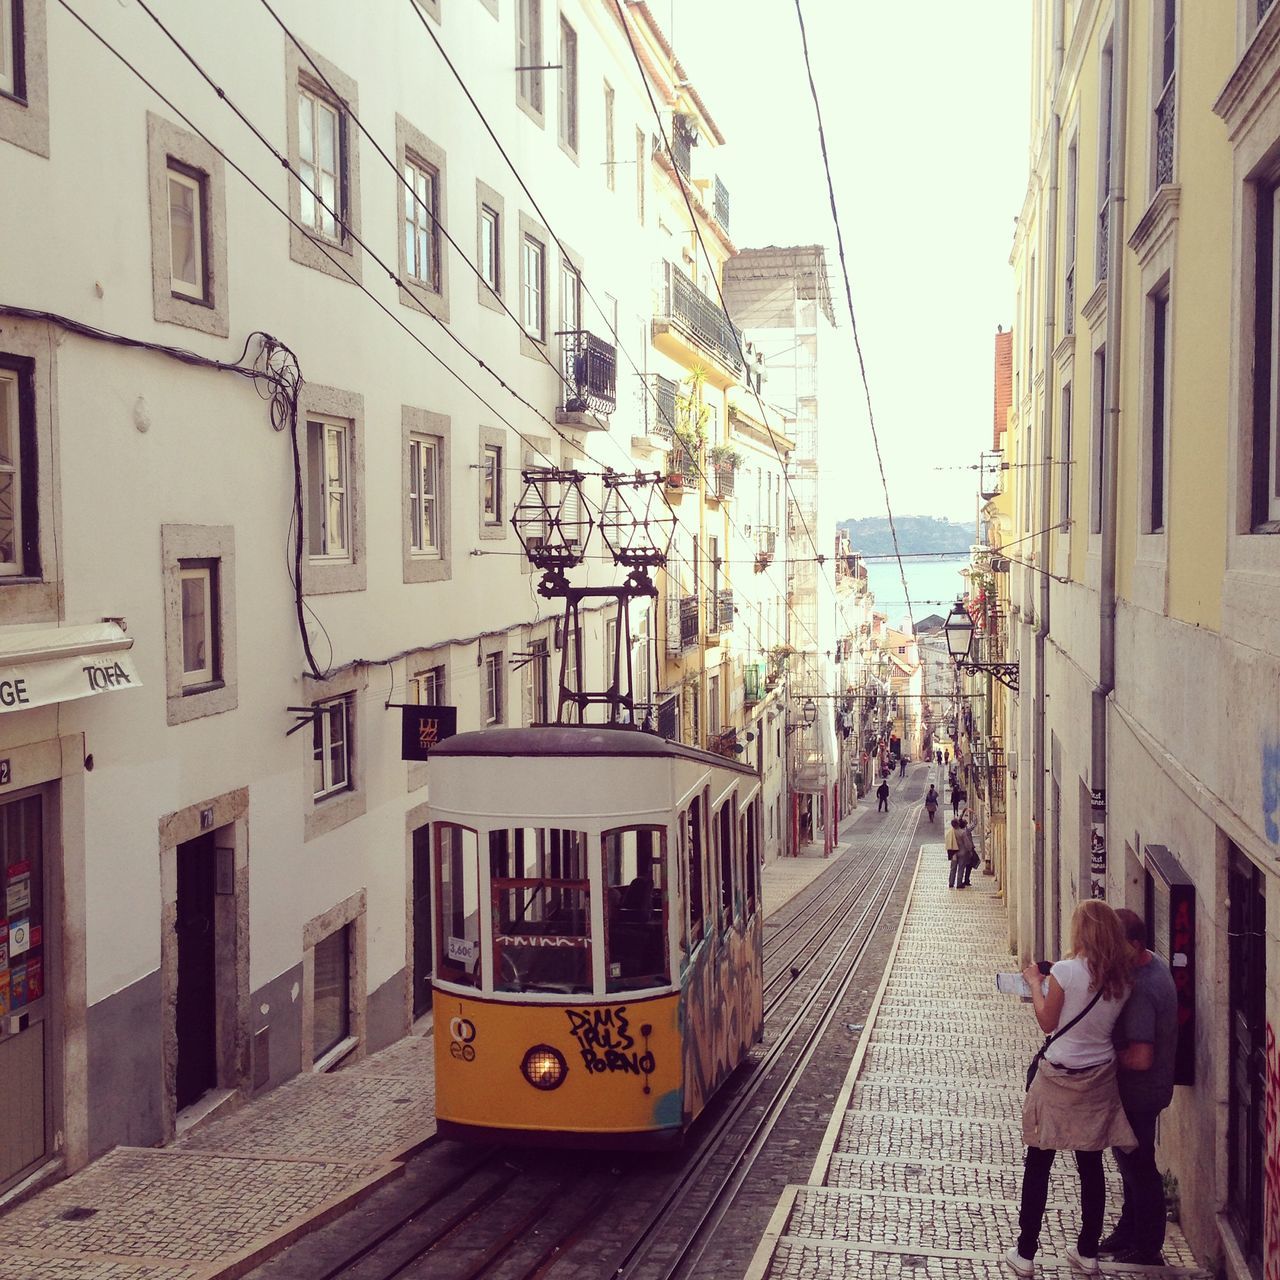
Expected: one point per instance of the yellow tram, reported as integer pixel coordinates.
(598, 932)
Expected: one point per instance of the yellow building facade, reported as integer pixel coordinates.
(1144, 741)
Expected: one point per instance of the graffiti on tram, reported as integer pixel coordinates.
(722, 1012)
(608, 1043)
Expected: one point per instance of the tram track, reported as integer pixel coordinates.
(510, 1213)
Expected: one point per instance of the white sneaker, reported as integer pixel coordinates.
(1019, 1265)
(1086, 1266)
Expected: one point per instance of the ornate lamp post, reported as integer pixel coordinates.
(959, 633)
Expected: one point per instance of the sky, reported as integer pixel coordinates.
(925, 109)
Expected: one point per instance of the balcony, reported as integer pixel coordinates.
(1164, 134)
(723, 473)
(683, 138)
(662, 408)
(682, 467)
(722, 602)
(766, 541)
(688, 621)
(720, 205)
(1104, 236)
(753, 689)
(695, 327)
(1069, 301)
(590, 367)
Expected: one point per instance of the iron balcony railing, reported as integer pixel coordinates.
(688, 621)
(663, 410)
(1165, 109)
(669, 717)
(591, 371)
(768, 540)
(682, 467)
(1104, 236)
(724, 610)
(687, 307)
(682, 140)
(1069, 301)
(720, 204)
(724, 472)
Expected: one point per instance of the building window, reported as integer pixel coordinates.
(1099, 451)
(17, 455)
(331, 748)
(491, 485)
(188, 273)
(533, 288)
(1064, 461)
(568, 86)
(1163, 118)
(640, 171)
(490, 248)
(328, 470)
(199, 586)
(570, 297)
(539, 681)
(713, 705)
(1158, 425)
(1104, 162)
(331, 1002)
(529, 53)
(493, 687)
(11, 50)
(427, 688)
(321, 161)
(421, 223)
(1266, 366)
(1069, 292)
(424, 489)
(610, 144)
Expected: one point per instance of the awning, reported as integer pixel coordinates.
(56, 664)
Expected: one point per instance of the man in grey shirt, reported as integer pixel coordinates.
(1146, 1037)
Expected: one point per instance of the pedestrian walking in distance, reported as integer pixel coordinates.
(931, 802)
(1146, 1039)
(966, 852)
(951, 842)
(938, 756)
(957, 794)
(902, 766)
(882, 795)
(1073, 1100)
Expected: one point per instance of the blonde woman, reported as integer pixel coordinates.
(1072, 1102)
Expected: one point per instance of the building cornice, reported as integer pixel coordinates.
(1094, 310)
(1254, 83)
(1157, 225)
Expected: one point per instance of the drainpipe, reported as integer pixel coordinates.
(1039, 760)
(1115, 278)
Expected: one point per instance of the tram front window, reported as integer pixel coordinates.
(541, 910)
(635, 928)
(458, 894)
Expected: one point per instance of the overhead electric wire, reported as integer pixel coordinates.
(853, 319)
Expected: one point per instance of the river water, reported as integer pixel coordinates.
(933, 583)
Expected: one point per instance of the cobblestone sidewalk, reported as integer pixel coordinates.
(920, 1172)
(229, 1195)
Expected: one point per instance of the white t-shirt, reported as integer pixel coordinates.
(1088, 1043)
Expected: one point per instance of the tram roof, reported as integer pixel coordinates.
(579, 740)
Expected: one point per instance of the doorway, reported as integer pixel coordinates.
(196, 1015)
(420, 892)
(1247, 985)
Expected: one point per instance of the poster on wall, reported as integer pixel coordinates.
(1098, 843)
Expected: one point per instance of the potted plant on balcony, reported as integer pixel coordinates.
(726, 460)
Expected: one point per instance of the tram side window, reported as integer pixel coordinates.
(724, 834)
(458, 893)
(635, 862)
(753, 865)
(696, 908)
(541, 910)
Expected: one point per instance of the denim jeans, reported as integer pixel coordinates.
(1142, 1221)
(1035, 1193)
(953, 876)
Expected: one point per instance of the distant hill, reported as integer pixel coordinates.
(870, 534)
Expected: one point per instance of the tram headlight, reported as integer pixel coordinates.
(544, 1067)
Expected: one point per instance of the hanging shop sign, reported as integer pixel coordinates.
(39, 668)
(421, 728)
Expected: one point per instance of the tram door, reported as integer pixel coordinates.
(26, 1040)
(421, 897)
(196, 1014)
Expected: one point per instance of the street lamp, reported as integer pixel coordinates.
(959, 633)
(810, 713)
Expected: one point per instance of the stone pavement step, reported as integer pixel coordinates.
(922, 1168)
(227, 1196)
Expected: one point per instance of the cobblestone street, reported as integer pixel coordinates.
(920, 1171)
